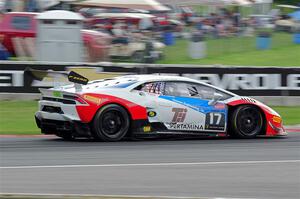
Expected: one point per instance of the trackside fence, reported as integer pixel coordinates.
(276, 85)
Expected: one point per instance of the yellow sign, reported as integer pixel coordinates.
(151, 114)
(78, 78)
(93, 99)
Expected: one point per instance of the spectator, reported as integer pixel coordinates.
(199, 24)
(120, 33)
(236, 18)
(4, 54)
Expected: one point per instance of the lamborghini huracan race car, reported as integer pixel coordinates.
(151, 105)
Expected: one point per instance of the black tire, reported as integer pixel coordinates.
(111, 123)
(247, 121)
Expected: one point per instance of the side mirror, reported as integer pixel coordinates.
(216, 98)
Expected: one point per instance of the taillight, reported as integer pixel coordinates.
(76, 98)
(80, 100)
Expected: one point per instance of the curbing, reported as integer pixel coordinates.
(90, 196)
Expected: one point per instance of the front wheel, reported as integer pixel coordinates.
(111, 123)
(246, 122)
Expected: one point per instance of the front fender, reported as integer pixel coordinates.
(274, 124)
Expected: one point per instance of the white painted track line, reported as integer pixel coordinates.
(46, 196)
(151, 164)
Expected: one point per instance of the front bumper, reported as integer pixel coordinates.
(278, 130)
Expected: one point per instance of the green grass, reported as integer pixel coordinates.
(289, 114)
(238, 51)
(17, 117)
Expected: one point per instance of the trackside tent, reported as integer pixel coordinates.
(131, 4)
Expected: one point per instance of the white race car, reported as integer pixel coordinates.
(150, 105)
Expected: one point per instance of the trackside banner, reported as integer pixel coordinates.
(252, 81)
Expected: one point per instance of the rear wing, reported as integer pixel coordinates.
(72, 76)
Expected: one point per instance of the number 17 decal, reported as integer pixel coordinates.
(215, 118)
(215, 121)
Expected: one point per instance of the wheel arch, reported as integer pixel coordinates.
(232, 108)
(113, 103)
(91, 123)
(88, 113)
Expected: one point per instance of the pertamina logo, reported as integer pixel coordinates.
(179, 114)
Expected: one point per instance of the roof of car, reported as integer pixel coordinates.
(158, 77)
(155, 77)
(132, 81)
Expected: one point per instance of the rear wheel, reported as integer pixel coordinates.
(111, 123)
(247, 122)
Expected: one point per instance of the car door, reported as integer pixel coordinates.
(188, 106)
(147, 94)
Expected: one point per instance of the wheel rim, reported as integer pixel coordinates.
(249, 121)
(112, 123)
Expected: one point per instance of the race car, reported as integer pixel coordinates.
(150, 105)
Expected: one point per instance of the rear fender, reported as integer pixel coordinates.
(97, 101)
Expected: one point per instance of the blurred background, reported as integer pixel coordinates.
(230, 32)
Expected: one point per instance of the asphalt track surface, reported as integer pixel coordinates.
(228, 168)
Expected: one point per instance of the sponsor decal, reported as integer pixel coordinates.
(11, 78)
(77, 78)
(93, 99)
(276, 119)
(151, 113)
(253, 81)
(215, 121)
(179, 114)
(147, 128)
(176, 126)
(219, 106)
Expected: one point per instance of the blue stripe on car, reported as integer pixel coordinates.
(196, 104)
